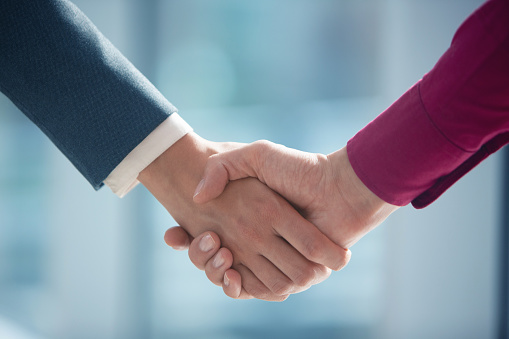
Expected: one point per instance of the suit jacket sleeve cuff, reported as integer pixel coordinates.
(124, 177)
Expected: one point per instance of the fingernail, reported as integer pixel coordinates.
(226, 281)
(199, 187)
(207, 243)
(218, 261)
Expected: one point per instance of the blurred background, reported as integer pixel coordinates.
(75, 263)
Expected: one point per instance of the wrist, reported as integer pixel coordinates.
(344, 174)
(174, 175)
(367, 208)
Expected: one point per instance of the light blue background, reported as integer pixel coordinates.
(75, 263)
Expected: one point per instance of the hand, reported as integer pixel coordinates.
(216, 261)
(325, 190)
(275, 250)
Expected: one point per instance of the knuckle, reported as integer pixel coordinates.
(262, 144)
(306, 277)
(282, 287)
(284, 297)
(280, 298)
(313, 250)
(258, 291)
(261, 147)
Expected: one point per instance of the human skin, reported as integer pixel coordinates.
(274, 250)
(324, 189)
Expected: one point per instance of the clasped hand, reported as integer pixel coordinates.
(269, 250)
(274, 250)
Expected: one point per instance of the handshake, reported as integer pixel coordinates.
(264, 221)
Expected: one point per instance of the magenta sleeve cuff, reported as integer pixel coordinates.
(401, 153)
(447, 123)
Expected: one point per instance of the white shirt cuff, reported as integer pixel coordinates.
(124, 177)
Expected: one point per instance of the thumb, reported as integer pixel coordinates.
(222, 168)
(215, 178)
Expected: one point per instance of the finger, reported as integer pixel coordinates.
(300, 270)
(218, 264)
(311, 243)
(232, 285)
(270, 276)
(253, 287)
(203, 248)
(217, 267)
(223, 167)
(177, 238)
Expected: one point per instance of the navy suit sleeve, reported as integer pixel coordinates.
(66, 77)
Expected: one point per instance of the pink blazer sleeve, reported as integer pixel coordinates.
(445, 124)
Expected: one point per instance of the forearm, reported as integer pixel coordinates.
(75, 85)
(447, 123)
(172, 177)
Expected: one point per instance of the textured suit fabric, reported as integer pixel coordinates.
(447, 123)
(67, 78)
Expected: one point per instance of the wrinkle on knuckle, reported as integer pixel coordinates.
(260, 150)
(257, 291)
(306, 276)
(313, 250)
(282, 286)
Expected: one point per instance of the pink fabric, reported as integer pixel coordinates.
(447, 122)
